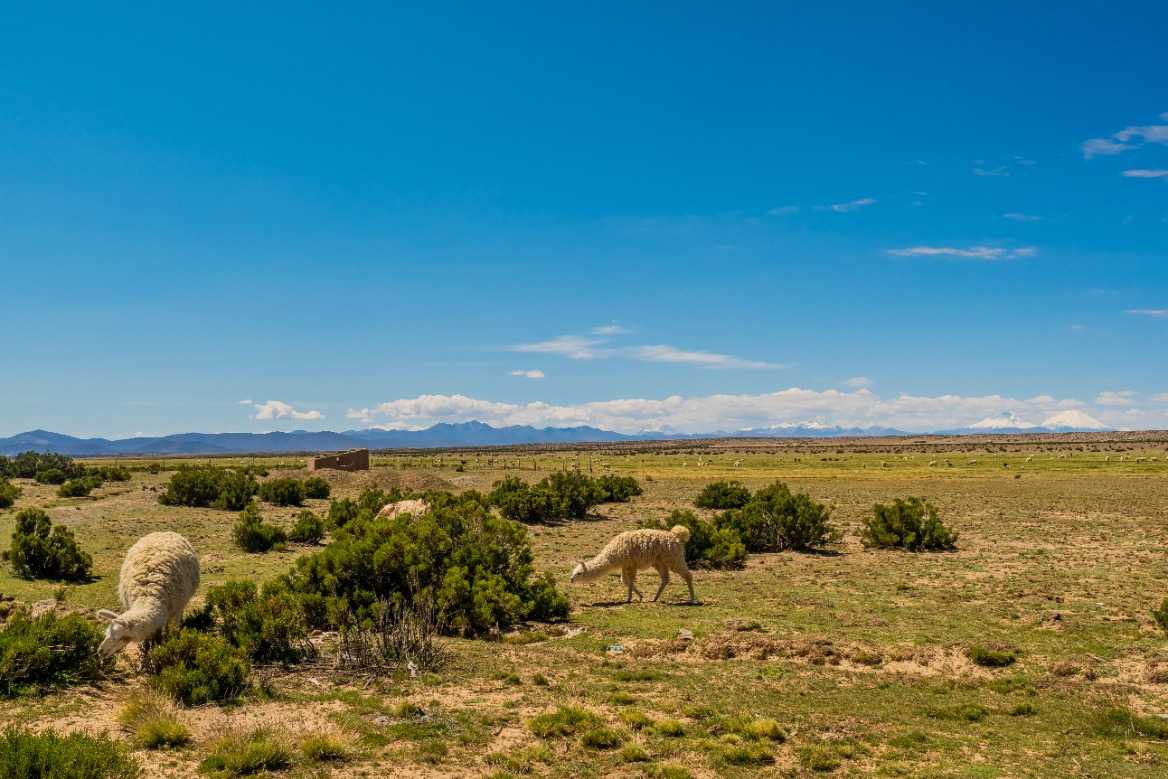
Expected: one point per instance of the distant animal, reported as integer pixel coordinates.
(158, 578)
(636, 550)
(415, 506)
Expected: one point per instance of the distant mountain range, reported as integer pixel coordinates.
(447, 435)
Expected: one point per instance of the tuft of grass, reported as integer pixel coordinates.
(602, 738)
(632, 753)
(965, 712)
(25, 755)
(622, 698)
(1024, 710)
(745, 754)
(988, 657)
(324, 749)
(152, 724)
(636, 719)
(247, 754)
(818, 758)
(540, 680)
(521, 761)
(764, 729)
(667, 771)
(564, 721)
(638, 675)
(670, 728)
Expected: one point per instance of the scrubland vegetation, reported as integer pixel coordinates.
(326, 640)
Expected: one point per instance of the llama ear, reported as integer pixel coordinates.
(105, 615)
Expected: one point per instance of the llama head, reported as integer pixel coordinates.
(578, 572)
(117, 634)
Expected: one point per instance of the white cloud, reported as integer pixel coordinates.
(278, 409)
(532, 374)
(709, 413)
(611, 328)
(665, 353)
(246, 402)
(1163, 396)
(986, 253)
(783, 210)
(852, 205)
(1000, 170)
(1131, 137)
(1116, 398)
(858, 382)
(1015, 216)
(1154, 313)
(575, 347)
(1145, 173)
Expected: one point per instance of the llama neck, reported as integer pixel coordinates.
(598, 566)
(147, 615)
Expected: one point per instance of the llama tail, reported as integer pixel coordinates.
(681, 532)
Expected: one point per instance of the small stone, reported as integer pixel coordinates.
(685, 634)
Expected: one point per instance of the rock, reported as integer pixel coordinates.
(743, 625)
(685, 635)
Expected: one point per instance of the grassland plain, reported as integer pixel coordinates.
(851, 661)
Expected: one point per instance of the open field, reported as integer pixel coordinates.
(861, 656)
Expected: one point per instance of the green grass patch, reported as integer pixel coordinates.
(564, 721)
(601, 738)
(25, 755)
(247, 754)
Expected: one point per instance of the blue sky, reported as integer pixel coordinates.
(678, 217)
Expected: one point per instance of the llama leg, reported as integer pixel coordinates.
(663, 570)
(685, 574)
(630, 578)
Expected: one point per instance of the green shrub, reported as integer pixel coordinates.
(316, 488)
(991, 657)
(601, 738)
(45, 652)
(268, 625)
(341, 512)
(776, 519)
(910, 524)
(1119, 722)
(1160, 615)
(9, 492)
(519, 501)
(42, 551)
(25, 755)
(282, 492)
(207, 486)
(256, 752)
(309, 528)
(51, 476)
(475, 568)
(722, 495)
(110, 472)
(708, 546)
(324, 749)
(74, 488)
(617, 489)
(254, 535)
(196, 668)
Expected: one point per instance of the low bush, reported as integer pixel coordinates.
(41, 550)
(151, 723)
(340, 512)
(397, 637)
(991, 657)
(75, 488)
(316, 488)
(564, 721)
(207, 486)
(475, 568)
(30, 465)
(268, 624)
(723, 495)
(324, 749)
(48, 651)
(519, 501)
(775, 519)
(708, 546)
(282, 492)
(1120, 722)
(109, 472)
(309, 528)
(51, 476)
(26, 755)
(910, 524)
(1160, 615)
(257, 752)
(617, 489)
(602, 738)
(196, 668)
(254, 535)
(9, 492)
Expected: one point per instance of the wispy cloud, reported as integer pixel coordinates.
(783, 210)
(1145, 173)
(1154, 313)
(532, 374)
(665, 353)
(1116, 398)
(858, 382)
(1132, 137)
(612, 328)
(278, 409)
(858, 408)
(852, 205)
(984, 253)
(575, 347)
(981, 170)
(1015, 216)
(246, 402)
